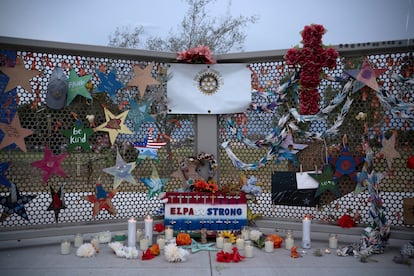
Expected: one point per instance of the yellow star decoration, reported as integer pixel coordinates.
(19, 75)
(142, 78)
(114, 125)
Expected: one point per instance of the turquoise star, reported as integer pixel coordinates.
(326, 182)
(138, 113)
(77, 86)
(196, 246)
(78, 136)
(155, 184)
(109, 83)
(121, 171)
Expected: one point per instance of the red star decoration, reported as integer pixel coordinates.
(346, 164)
(57, 203)
(102, 200)
(51, 165)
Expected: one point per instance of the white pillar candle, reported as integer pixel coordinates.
(333, 241)
(148, 229)
(161, 242)
(240, 243)
(143, 244)
(78, 241)
(269, 245)
(169, 232)
(132, 229)
(227, 247)
(65, 248)
(248, 250)
(219, 242)
(245, 233)
(306, 233)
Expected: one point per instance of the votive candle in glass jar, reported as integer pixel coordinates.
(269, 245)
(65, 247)
(333, 241)
(289, 240)
(78, 240)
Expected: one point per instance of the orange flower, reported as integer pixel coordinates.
(155, 249)
(277, 240)
(183, 239)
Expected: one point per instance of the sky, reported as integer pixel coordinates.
(280, 21)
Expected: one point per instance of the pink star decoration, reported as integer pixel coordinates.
(388, 150)
(51, 165)
(368, 75)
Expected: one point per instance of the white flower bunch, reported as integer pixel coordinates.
(175, 254)
(86, 250)
(123, 251)
(255, 235)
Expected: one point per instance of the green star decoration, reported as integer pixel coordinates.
(78, 136)
(77, 86)
(326, 182)
(155, 184)
(197, 247)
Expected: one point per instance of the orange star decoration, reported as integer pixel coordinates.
(114, 125)
(102, 200)
(19, 75)
(368, 75)
(143, 78)
(14, 134)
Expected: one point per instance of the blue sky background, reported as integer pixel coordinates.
(91, 21)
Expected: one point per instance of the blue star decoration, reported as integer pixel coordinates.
(3, 179)
(138, 113)
(326, 182)
(78, 136)
(155, 184)
(121, 171)
(197, 247)
(77, 86)
(346, 164)
(14, 203)
(366, 179)
(58, 201)
(109, 83)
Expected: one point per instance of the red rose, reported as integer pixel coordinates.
(410, 162)
(346, 221)
(159, 227)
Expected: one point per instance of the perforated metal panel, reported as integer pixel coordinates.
(85, 169)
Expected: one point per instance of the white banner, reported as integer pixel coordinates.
(208, 88)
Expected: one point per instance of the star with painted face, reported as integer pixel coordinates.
(121, 171)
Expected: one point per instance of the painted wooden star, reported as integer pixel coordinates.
(109, 83)
(148, 149)
(121, 171)
(138, 113)
(3, 179)
(19, 76)
(388, 150)
(143, 78)
(346, 164)
(197, 247)
(51, 165)
(155, 184)
(366, 75)
(326, 181)
(102, 200)
(14, 203)
(114, 125)
(58, 201)
(14, 133)
(78, 136)
(77, 86)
